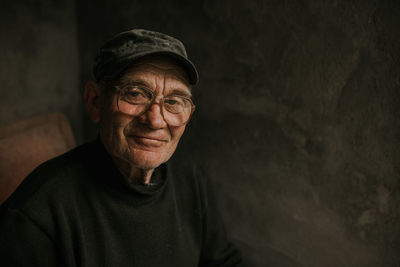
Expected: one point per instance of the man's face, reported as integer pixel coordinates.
(144, 141)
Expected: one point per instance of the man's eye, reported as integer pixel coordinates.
(136, 95)
(171, 102)
(174, 101)
(176, 104)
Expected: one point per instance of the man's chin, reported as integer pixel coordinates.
(145, 159)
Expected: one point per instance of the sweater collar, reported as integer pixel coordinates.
(106, 169)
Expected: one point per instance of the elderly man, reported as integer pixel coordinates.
(115, 201)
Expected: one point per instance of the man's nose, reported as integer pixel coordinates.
(153, 117)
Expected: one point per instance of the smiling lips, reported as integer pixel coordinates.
(148, 141)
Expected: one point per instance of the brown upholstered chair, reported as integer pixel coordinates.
(26, 144)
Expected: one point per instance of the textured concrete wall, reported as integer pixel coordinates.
(39, 67)
(297, 119)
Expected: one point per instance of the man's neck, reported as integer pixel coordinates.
(132, 173)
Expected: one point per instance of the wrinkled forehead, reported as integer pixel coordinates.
(156, 67)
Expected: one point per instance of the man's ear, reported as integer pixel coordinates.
(92, 95)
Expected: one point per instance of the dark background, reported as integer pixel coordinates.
(297, 117)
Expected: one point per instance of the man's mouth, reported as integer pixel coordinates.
(148, 141)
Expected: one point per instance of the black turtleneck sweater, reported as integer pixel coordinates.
(78, 210)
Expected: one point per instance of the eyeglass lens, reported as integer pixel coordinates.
(135, 101)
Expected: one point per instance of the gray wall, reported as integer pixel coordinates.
(297, 119)
(39, 66)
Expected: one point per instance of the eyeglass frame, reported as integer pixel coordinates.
(153, 101)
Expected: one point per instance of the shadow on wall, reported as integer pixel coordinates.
(297, 123)
(40, 61)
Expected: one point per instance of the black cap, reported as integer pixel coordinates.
(125, 48)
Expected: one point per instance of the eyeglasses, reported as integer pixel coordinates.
(135, 100)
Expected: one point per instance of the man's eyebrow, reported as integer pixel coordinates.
(175, 91)
(180, 91)
(135, 82)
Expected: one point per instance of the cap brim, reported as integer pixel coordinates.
(116, 67)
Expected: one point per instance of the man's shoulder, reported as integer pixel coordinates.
(51, 177)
